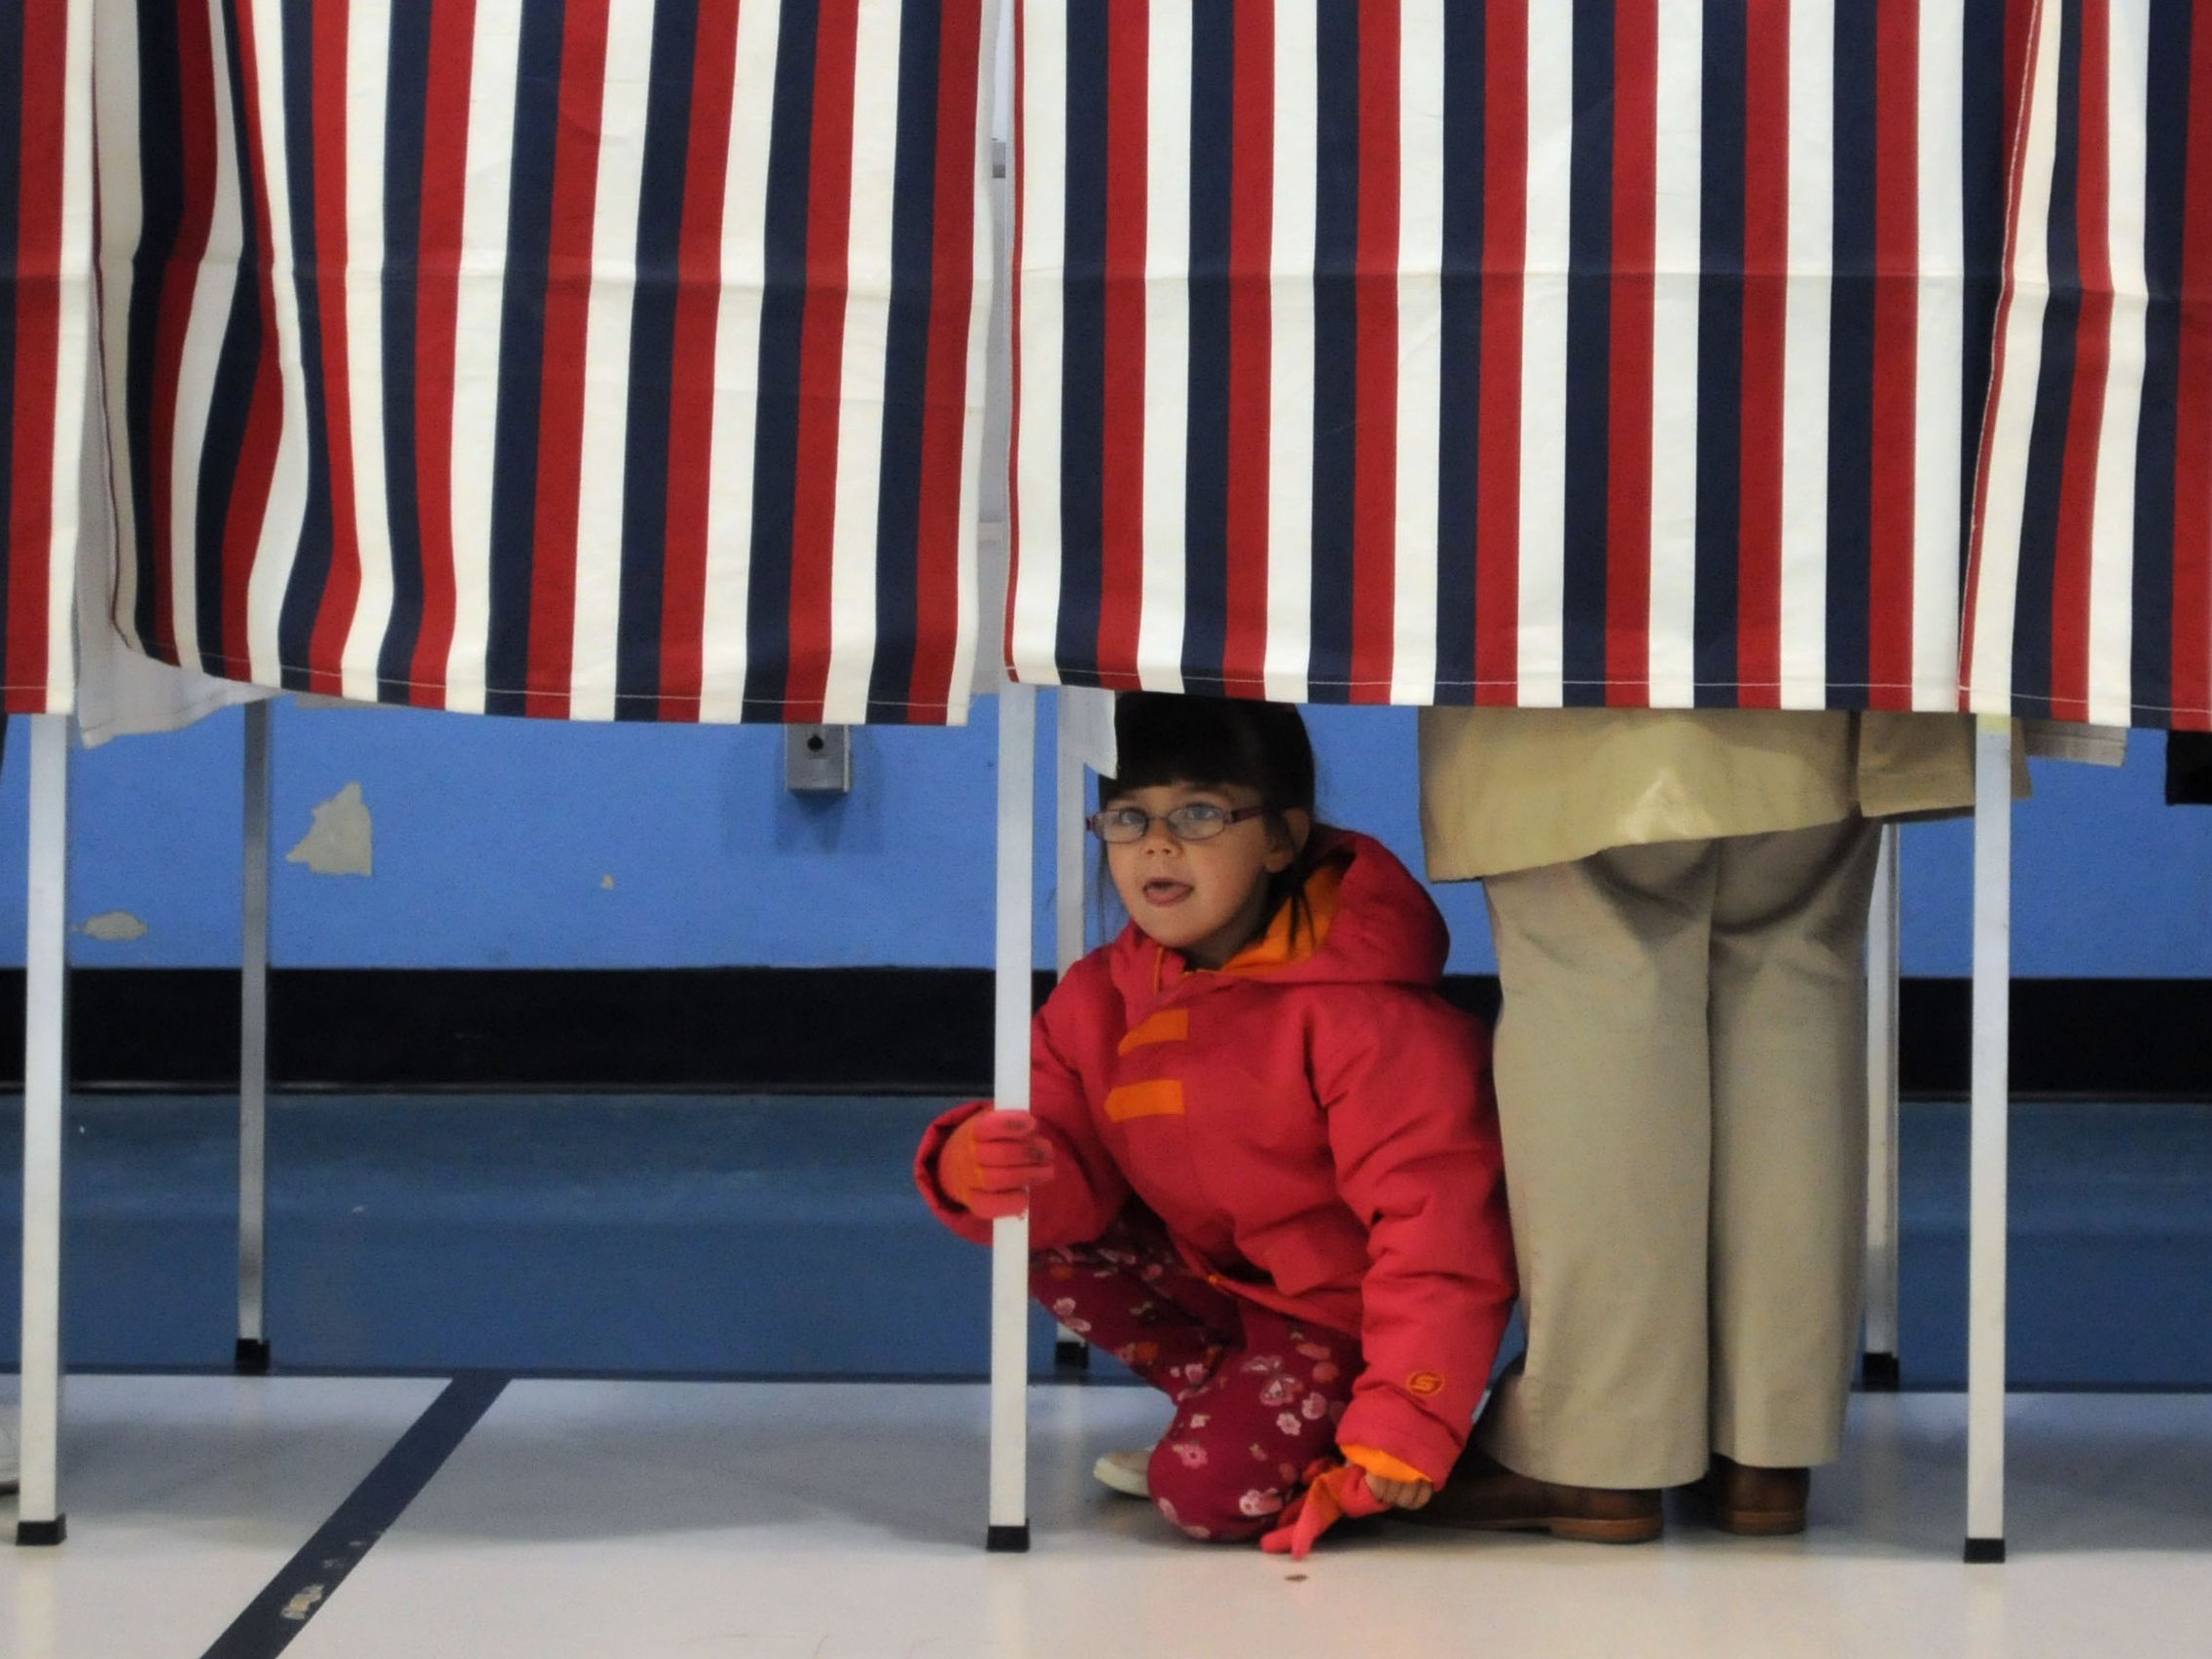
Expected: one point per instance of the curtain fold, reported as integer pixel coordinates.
(1506, 352)
(47, 500)
(550, 357)
(522, 356)
(2091, 596)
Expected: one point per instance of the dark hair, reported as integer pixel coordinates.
(1210, 741)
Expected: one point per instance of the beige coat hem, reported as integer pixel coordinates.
(1507, 789)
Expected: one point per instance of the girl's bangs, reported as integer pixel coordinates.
(1205, 741)
(1200, 752)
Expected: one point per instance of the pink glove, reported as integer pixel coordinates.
(1332, 1491)
(991, 1163)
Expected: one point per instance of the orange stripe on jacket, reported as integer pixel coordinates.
(1161, 1097)
(1168, 1025)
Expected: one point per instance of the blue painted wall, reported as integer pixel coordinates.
(516, 844)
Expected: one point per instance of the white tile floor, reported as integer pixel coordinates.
(794, 1522)
(185, 1495)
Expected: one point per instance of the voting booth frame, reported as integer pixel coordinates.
(2087, 588)
(41, 1516)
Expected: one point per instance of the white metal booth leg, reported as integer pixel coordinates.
(1009, 1522)
(1878, 1365)
(1985, 1233)
(253, 1052)
(1069, 1352)
(39, 1519)
(1071, 882)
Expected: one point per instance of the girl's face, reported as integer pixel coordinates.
(1205, 899)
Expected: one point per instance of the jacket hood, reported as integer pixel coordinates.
(1385, 930)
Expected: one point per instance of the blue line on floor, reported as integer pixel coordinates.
(305, 1584)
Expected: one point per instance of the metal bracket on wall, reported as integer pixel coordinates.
(817, 760)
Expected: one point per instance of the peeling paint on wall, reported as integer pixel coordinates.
(342, 840)
(114, 927)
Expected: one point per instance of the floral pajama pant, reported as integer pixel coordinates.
(1258, 1394)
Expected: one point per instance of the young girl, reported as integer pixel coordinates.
(1261, 1163)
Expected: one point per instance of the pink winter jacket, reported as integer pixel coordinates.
(1314, 1126)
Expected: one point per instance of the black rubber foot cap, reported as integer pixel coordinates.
(1986, 1552)
(1009, 1540)
(252, 1358)
(40, 1534)
(1878, 1373)
(1071, 1356)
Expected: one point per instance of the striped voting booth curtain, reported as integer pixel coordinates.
(2092, 590)
(1505, 351)
(46, 333)
(568, 358)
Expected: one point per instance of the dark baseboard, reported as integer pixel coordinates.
(859, 1031)
(866, 1031)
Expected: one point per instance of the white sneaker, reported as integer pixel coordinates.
(1124, 1472)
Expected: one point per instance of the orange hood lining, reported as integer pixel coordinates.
(1276, 949)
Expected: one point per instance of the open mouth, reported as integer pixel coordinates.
(1165, 892)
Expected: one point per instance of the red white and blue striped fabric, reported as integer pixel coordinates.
(1505, 351)
(46, 339)
(550, 357)
(2091, 596)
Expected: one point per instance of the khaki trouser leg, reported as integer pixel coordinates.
(1789, 1208)
(1681, 1079)
(1604, 1097)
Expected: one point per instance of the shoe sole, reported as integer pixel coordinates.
(1120, 1481)
(1761, 1523)
(1632, 1529)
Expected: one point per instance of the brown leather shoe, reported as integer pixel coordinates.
(1484, 1495)
(1755, 1503)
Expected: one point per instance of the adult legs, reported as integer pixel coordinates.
(1788, 1028)
(1603, 1098)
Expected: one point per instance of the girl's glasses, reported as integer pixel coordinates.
(1193, 820)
